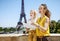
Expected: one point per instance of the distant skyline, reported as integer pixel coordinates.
(10, 10)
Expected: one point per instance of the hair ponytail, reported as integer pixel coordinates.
(47, 13)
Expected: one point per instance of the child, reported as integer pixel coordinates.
(31, 34)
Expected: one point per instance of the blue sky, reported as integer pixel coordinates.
(10, 10)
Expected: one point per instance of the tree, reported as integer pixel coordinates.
(12, 29)
(52, 26)
(6, 29)
(58, 21)
(1, 29)
(58, 26)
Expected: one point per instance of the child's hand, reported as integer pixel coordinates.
(27, 29)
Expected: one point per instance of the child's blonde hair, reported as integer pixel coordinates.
(34, 12)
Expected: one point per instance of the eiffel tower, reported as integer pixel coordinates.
(22, 15)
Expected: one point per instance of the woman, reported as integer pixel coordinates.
(31, 34)
(42, 23)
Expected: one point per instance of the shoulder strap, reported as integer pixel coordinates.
(43, 19)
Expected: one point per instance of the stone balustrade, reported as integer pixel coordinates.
(24, 37)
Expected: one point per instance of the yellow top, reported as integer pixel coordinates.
(41, 22)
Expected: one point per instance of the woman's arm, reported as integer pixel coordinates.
(45, 25)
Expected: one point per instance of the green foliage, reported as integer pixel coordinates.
(55, 26)
(6, 29)
(1, 29)
(52, 26)
(12, 29)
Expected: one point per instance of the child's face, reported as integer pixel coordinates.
(32, 14)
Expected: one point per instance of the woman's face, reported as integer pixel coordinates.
(32, 14)
(42, 10)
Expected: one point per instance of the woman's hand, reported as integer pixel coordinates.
(33, 24)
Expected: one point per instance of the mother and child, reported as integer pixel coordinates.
(41, 24)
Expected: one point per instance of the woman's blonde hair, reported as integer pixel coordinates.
(34, 12)
(47, 13)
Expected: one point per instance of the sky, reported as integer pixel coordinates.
(10, 10)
